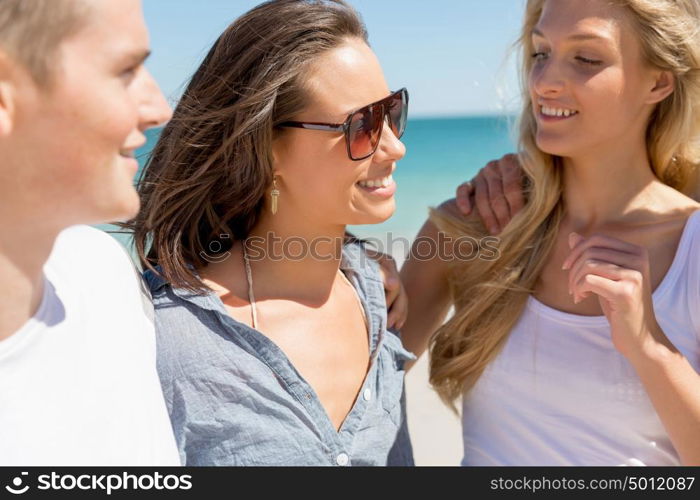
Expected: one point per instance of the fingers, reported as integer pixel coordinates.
(399, 310)
(396, 295)
(392, 288)
(623, 292)
(464, 193)
(602, 256)
(578, 245)
(588, 267)
(390, 277)
(622, 265)
(512, 178)
(496, 191)
(481, 200)
(592, 283)
(497, 199)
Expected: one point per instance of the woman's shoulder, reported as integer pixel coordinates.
(179, 312)
(679, 216)
(191, 326)
(165, 292)
(691, 231)
(673, 202)
(154, 280)
(360, 257)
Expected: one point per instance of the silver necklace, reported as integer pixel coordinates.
(251, 295)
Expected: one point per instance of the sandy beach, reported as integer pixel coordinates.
(436, 432)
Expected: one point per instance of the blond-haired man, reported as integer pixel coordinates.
(78, 383)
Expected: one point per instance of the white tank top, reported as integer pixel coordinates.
(559, 393)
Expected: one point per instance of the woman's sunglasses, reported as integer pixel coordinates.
(363, 128)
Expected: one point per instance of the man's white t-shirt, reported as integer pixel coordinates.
(78, 382)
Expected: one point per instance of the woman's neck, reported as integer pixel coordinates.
(600, 189)
(292, 257)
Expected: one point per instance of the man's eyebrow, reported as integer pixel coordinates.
(138, 57)
(576, 36)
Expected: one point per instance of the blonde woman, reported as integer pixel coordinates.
(578, 342)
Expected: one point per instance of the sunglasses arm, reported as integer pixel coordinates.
(329, 127)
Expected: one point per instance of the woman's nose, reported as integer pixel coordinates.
(390, 147)
(546, 78)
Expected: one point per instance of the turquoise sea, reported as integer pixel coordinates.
(441, 153)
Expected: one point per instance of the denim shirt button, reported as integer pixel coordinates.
(367, 394)
(342, 459)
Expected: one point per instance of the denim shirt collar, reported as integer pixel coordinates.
(156, 281)
(361, 270)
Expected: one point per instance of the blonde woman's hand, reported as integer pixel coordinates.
(619, 274)
(396, 296)
(496, 192)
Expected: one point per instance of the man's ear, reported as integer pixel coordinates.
(664, 85)
(7, 97)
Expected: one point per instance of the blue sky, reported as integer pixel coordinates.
(451, 54)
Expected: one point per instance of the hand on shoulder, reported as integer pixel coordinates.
(495, 193)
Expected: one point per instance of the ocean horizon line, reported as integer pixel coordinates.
(462, 116)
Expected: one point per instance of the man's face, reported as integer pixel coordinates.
(73, 143)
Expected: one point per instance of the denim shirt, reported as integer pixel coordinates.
(235, 398)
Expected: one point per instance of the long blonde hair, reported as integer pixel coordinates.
(490, 295)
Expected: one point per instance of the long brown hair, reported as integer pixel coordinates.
(490, 296)
(212, 167)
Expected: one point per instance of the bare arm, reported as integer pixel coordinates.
(425, 278)
(622, 282)
(673, 387)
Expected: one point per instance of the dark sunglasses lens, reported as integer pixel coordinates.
(365, 129)
(398, 112)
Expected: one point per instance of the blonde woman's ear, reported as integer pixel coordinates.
(664, 85)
